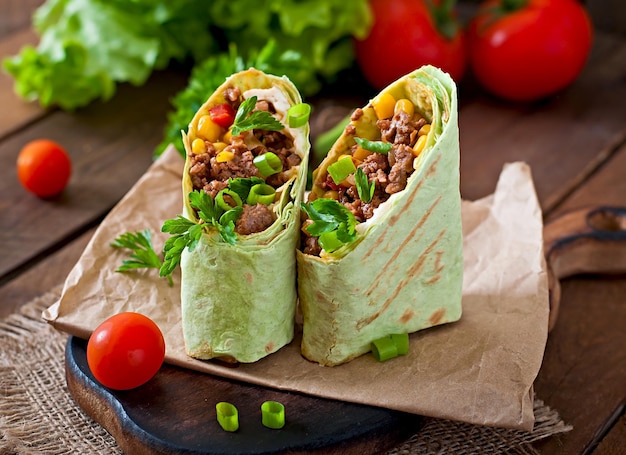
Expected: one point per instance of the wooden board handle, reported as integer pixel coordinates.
(585, 241)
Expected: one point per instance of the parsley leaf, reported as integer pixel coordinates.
(328, 215)
(143, 256)
(363, 186)
(248, 119)
(374, 146)
(186, 233)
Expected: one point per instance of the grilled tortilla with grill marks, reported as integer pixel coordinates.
(403, 270)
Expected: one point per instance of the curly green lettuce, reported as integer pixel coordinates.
(87, 47)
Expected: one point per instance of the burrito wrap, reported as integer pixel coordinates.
(238, 301)
(404, 271)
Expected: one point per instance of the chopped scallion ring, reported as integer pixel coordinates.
(401, 340)
(261, 193)
(227, 416)
(341, 169)
(268, 164)
(384, 349)
(390, 346)
(298, 115)
(223, 203)
(273, 414)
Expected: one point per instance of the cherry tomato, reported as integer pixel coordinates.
(125, 351)
(406, 35)
(223, 115)
(43, 168)
(524, 50)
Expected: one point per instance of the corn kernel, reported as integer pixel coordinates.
(227, 137)
(383, 105)
(224, 156)
(404, 105)
(332, 194)
(208, 130)
(219, 146)
(197, 146)
(419, 145)
(424, 130)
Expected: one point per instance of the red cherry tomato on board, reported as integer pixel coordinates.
(222, 115)
(43, 168)
(525, 50)
(125, 351)
(405, 35)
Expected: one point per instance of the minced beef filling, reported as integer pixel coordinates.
(211, 176)
(389, 172)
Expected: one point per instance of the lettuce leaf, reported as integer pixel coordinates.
(87, 47)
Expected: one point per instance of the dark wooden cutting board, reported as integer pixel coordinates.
(174, 413)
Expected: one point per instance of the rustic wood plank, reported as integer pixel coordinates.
(16, 14)
(585, 351)
(615, 440)
(585, 359)
(15, 112)
(114, 137)
(606, 187)
(42, 276)
(563, 138)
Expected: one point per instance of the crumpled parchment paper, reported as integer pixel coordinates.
(479, 370)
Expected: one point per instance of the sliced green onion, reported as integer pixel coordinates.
(329, 241)
(223, 203)
(384, 349)
(298, 115)
(341, 168)
(227, 416)
(273, 415)
(401, 340)
(268, 164)
(261, 193)
(374, 146)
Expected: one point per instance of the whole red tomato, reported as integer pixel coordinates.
(524, 50)
(43, 168)
(125, 351)
(407, 34)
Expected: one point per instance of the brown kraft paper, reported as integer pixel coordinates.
(478, 370)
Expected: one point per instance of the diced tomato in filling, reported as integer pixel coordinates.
(222, 114)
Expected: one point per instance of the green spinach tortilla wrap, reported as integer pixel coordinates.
(243, 183)
(381, 249)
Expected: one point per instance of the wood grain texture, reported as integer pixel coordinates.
(564, 138)
(117, 139)
(585, 356)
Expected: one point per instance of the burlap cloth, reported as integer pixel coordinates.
(39, 416)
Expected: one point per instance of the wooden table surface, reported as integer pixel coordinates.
(575, 144)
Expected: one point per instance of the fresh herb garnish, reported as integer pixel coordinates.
(328, 215)
(363, 186)
(248, 119)
(242, 186)
(143, 256)
(186, 233)
(374, 146)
